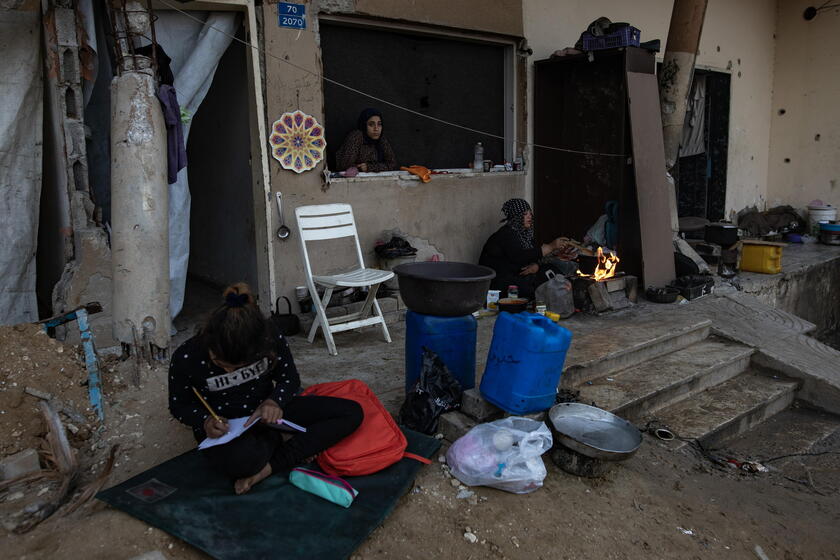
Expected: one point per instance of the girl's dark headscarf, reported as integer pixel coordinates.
(514, 211)
(361, 124)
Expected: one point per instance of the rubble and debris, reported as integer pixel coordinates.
(20, 464)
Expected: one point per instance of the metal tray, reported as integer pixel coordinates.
(594, 432)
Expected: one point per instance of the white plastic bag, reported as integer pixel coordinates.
(504, 454)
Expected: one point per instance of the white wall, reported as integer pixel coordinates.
(807, 88)
(737, 38)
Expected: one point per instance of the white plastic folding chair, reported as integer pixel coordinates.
(334, 221)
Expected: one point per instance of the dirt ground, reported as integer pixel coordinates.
(660, 504)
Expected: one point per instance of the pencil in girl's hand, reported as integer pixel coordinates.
(207, 406)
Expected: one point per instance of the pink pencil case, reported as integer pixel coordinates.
(332, 488)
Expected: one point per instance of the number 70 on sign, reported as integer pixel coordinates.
(291, 15)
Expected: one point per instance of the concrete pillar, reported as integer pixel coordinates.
(140, 213)
(677, 71)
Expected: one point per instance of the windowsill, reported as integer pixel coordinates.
(406, 176)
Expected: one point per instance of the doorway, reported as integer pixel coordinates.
(700, 173)
(223, 248)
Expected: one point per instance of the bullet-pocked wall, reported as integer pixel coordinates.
(453, 214)
(805, 137)
(737, 39)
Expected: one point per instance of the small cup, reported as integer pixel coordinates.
(487, 165)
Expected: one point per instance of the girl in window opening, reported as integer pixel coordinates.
(366, 148)
(243, 367)
(512, 252)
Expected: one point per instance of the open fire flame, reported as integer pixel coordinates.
(606, 267)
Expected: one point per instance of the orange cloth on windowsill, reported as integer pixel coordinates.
(422, 172)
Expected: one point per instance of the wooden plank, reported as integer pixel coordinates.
(651, 185)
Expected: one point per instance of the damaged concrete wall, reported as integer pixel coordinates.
(737, 38)
(87, 275)
(454, 214)
(805, 137)
(812, 293)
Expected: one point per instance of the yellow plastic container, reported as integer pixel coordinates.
(766, 259)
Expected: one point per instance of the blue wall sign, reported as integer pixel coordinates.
(291, 15)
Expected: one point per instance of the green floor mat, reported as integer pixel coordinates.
(185, 498)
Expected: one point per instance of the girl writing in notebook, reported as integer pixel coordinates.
(242, 366)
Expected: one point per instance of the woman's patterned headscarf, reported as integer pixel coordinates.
(514, 211)
(361, 124)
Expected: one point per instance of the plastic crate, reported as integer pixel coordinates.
(625, 37)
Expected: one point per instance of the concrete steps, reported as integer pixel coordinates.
(728, 409)
(635, 392)
(798, 429)
(605, 351)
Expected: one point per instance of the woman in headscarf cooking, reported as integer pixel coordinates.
(515, 256)
(366, 148)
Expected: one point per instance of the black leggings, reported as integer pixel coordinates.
(327, 421)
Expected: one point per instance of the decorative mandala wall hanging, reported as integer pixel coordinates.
(297, 141)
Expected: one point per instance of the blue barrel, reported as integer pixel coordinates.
(525, 362)
(451, 338)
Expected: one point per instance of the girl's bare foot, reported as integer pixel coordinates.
(244, 484)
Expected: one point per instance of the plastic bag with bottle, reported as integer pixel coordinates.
(504, 454)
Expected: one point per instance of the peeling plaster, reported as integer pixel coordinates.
(140, 128)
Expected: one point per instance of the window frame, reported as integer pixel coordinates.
(510, 72)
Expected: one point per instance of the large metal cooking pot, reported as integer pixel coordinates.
(594, 432)
(447, 289)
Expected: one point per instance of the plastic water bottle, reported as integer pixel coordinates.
(478, 158)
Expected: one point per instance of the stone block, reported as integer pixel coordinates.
(474, 406)
(454, 425)
(599, 296)
(19, 464)
(538, 416)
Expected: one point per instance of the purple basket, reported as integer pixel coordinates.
(625, 37)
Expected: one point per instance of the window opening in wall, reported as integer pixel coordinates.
(455, 80)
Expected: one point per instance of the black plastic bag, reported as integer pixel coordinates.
(436, 391)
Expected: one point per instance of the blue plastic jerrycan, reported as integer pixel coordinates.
(525, 362)
(451, 338)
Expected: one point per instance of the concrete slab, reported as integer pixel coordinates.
(728, 409)
(780, 346)
(808, 287)
(796, 430)
(637, 391)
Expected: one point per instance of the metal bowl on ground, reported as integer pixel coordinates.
(447, 289)
(593, 432)
(513, 305)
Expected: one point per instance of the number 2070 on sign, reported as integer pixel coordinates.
(290, 15)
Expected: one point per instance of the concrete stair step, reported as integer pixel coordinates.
(635, 392)
(798, 429)
(611, 349)
(729, 409)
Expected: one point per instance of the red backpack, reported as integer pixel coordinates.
(376, 444)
